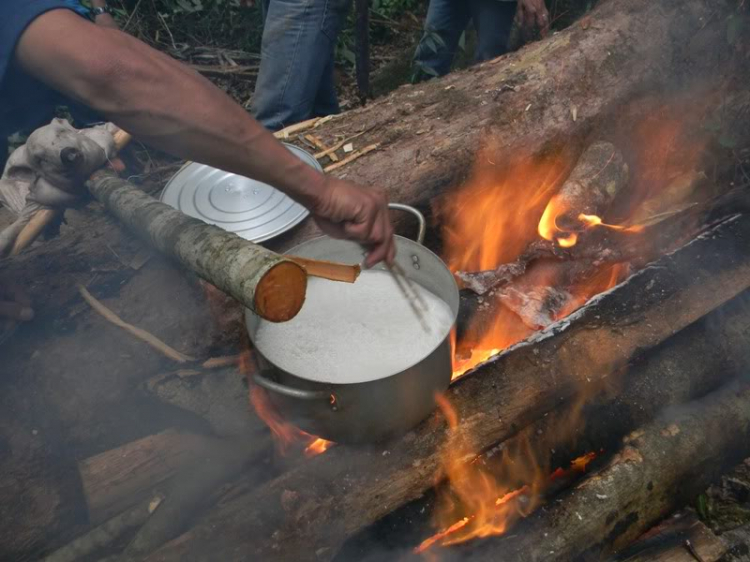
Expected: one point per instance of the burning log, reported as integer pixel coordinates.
(660, 467)
(269, 284)
(307, 513)
(531, 467)
(550, 95)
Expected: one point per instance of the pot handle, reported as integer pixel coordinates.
(290, 392)
(416, 213)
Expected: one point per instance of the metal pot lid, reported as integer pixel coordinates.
(251, 209)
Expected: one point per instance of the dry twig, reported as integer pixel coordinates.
(139, 333)
(353, 156)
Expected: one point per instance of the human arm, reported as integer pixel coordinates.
(173, 108)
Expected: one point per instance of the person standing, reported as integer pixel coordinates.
(296, 77)
(493, 19)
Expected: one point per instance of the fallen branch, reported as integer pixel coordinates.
(139, 333)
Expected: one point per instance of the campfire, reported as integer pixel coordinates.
(589, 196)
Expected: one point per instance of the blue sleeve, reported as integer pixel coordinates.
(15, 17)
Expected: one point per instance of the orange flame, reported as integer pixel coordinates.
(483, 504)
(490, 221)
(285, 434)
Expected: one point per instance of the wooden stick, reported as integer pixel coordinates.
(139, 333)
(336, 146)
(219, 362)
(223, 71)
(351, 158)
(286, 132)
(319, 144)
(43, 217)
(36, 225)
(329, 270)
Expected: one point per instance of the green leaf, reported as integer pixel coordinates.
(462, 42)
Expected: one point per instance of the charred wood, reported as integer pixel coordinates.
(659, 468)
(308, 512)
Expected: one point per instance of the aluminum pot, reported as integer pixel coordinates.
(376, 409)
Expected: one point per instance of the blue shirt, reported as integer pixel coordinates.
(24, 101)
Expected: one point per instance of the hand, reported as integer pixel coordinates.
(533, 13)
(14, 304)
(349, 211)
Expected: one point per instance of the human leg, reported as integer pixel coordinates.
(446, 21)
(297, 48)
(493, 20)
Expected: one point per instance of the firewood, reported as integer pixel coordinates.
(659, 468)
(272, 286)
(307, 513)
(119, 478)
(668, 376)
(681, 538)
(106, 533)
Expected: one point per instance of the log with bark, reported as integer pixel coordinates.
(309, 512)
(550, 96)
(684, 538)
(272, 286)
(119, 478)
(659, 468)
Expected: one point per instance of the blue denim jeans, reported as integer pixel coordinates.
(296, 81)
(447, 20)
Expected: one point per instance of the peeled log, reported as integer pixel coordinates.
(272, 286)
(660, 468)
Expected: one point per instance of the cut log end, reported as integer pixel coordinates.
(281, 292)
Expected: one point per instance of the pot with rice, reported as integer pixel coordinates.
(357, 364)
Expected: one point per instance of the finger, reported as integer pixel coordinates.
(376, 254)
(16, 311)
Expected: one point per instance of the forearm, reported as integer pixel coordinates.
(163, 103)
